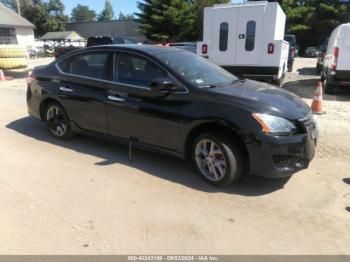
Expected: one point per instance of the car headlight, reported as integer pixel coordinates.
(274, 125)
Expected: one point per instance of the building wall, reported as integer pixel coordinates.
(25, 36)
(123, 28)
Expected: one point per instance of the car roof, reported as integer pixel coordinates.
(183, 43)
(138, 48)
(148, 49)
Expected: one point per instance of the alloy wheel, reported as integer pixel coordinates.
(57, 121)
(210, 160)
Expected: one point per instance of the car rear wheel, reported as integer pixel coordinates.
(58, 121)
(328, 88)
(217, 158)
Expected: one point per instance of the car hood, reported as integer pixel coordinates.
(262, 98)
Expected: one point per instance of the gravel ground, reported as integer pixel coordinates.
(84, 197)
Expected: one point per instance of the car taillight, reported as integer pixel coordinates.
(30, 78)
(335, 58)
(271, 48)
(204, 49)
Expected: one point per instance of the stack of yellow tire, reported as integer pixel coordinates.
(13, 58)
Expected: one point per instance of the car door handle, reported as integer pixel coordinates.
(116, 98)
(66, 89)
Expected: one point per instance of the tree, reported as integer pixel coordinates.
(166, 20)
(107, 13)
(13, 4)
(125, 17)
(46, 16)
(312, 21)
(82, 13)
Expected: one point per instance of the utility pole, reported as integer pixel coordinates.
(18, 7)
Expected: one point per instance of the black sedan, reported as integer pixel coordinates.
(172, 101)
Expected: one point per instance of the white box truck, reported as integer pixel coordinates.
(336, 63)
(246, 39)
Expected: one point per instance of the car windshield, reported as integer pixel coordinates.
(196, 70)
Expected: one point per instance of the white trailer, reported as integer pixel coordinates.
(246, 39)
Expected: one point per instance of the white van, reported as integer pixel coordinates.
(246, 39)
(336, 63)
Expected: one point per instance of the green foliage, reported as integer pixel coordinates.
(82, 13)
(125, 17)
(46, 16)
(107, 13)
(312, 21)
(167, 20)
(13, 4)
(174, 20)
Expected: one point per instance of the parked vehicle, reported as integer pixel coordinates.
(311, 52)
(62, 50)
(320, 56)
(94, 41)
(189, 46)
(175, 102)
(291, 39)
(336, 64)
(108, 40)
(246, 39)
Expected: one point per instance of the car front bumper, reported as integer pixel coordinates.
(282, 156)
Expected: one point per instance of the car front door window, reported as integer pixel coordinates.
(137, 71)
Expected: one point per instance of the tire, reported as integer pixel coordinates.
(13, 53)
(58, 122)
(318, 69)
(328, 88)
(225, 150)
(13, 63)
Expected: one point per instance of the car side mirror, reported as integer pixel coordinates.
(163, 85)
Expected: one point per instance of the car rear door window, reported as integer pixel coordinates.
(136, 70)
(223, 41)
(92, 65)
(250, 36)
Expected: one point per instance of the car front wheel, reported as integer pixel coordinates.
(57, 120)
(217, 158)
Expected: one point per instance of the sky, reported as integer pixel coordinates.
(125, 6)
